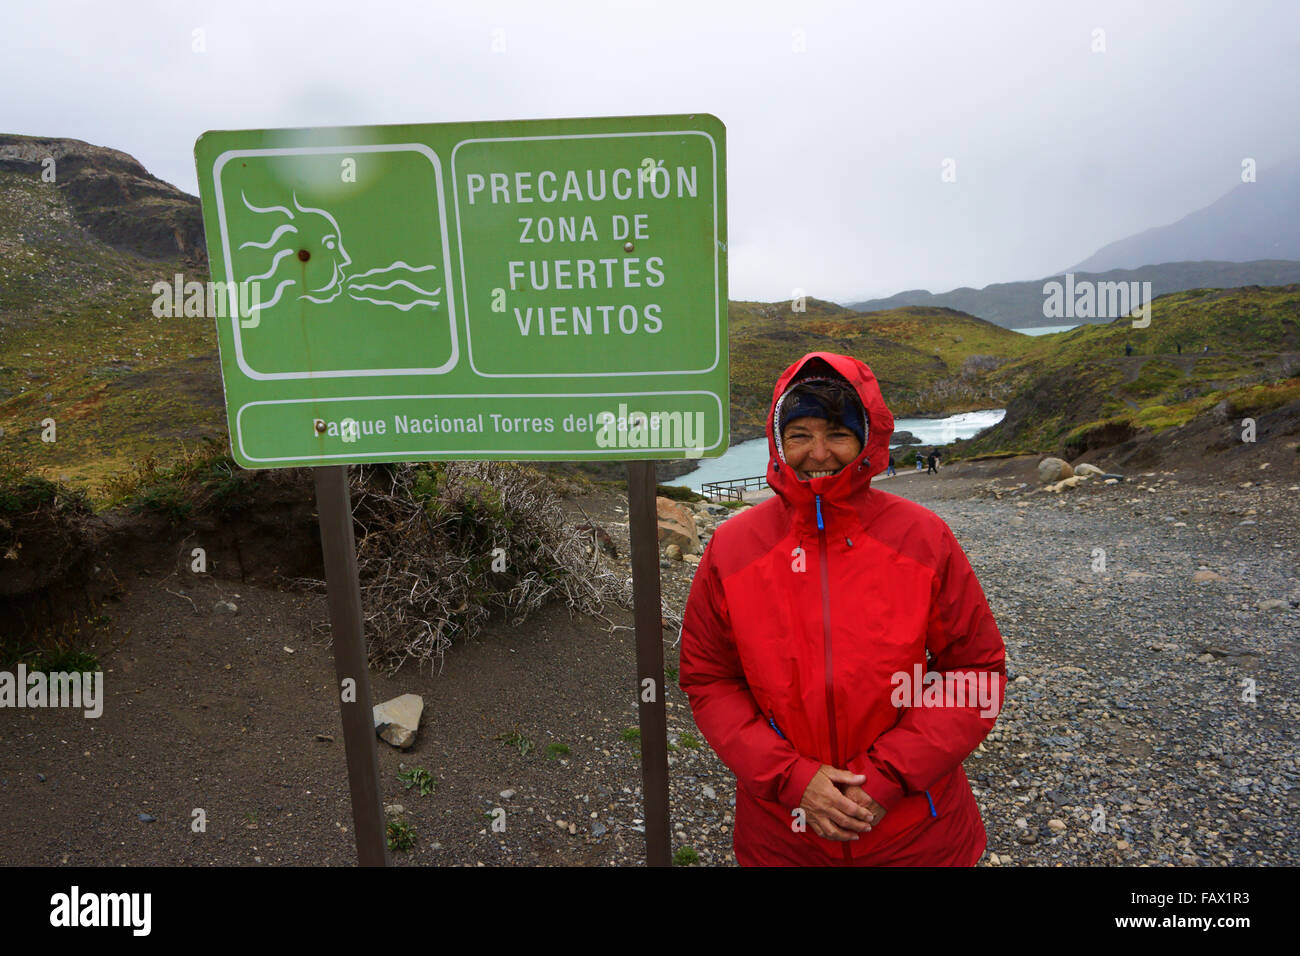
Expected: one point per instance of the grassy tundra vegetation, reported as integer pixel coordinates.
(1075, 390)
(123, 385)
(79, 343)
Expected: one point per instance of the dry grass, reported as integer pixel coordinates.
(443, 546)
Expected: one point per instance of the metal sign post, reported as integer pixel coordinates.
(352, 683)
(643, 526)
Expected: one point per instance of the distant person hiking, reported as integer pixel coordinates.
(1128, 349)
(890, 470)
(920, 462)
(1179, 346)
(932, 460)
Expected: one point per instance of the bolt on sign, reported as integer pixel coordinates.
(541, 289)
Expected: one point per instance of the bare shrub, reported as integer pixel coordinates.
(441, 546)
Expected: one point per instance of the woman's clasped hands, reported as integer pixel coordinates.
(836, 806)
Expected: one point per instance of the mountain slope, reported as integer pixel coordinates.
(79, 343)
(1077, 390)
(1019, 305)
(110, 196)
(1259, 220)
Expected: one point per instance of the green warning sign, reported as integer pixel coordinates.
(545, 289)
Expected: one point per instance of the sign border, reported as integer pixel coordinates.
(460, 248)
(452, 455)
(421, 148)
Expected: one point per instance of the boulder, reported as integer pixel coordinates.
(1086, 470)
(397, 720)
(673, 553)
(1053, 469)
(677, 526)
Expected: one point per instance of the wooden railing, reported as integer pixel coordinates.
(731, 489)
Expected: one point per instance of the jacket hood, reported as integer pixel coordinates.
(854, 478)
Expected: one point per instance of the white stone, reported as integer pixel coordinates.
(397, 720)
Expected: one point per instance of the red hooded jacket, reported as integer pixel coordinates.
(803, 613)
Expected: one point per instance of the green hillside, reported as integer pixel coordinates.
(1076, 390)
(928, 361)
(79, 343)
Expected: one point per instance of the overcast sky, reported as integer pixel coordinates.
(839, 116)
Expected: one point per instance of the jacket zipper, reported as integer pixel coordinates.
(826, 634)
(826, 640)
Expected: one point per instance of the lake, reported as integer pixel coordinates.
(1045, 329)
(750, 458)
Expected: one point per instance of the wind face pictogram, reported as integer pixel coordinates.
(302, 257)
(346, 251)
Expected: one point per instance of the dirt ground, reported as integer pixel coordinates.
(220, 740)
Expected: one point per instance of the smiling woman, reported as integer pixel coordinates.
(803, 614)
(820, 426)
(814, 443)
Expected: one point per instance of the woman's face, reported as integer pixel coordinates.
(815, 447)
